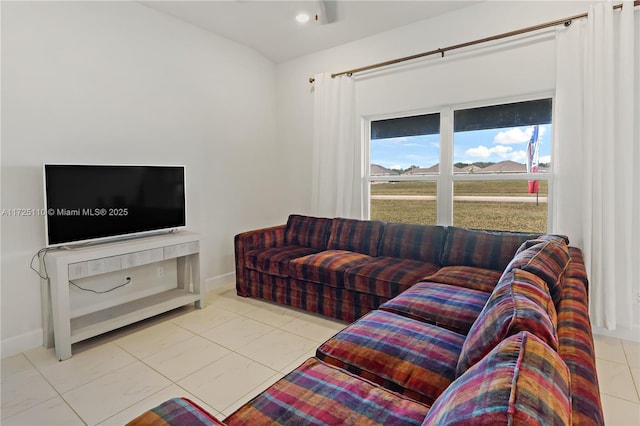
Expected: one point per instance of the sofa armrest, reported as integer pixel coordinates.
(251, 240)
(576, 348)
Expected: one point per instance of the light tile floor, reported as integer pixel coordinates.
(220, 357)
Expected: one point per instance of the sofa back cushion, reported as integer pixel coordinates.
(520, 302)
(360, 236)
(521, 381)
(415, 242)
(467, 276)
(483, 249)
(307, 231)
(547, 259)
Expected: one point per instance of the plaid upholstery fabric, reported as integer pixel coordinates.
(252, 240)
(275, 260)
(515, 305)
(360, 236)
(467, 276)
(483, 249)
(576, 349)
(447, 306)
(576, 268)
(326, 267)
(319, 394)
(175, 412)
(520, 382)
(410, 357)
(307, 231)
(338, 303)
(548, 260)
(530, 286)
(386, 276)
(416, 242)
(560, 239)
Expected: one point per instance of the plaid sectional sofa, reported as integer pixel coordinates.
(450, 326)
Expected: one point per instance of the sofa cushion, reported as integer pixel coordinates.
(317, 393)
(521, 381)
(515, 305)
(532, 287)
(360, 236)
(472, 277)
(411, 357)
(543, 238)
(409, 241)
(483, 249)
(326, 267)
(386, 276)
(451, 307)
(546, 259)
(176, 411)
(275, 260)
(307, 231)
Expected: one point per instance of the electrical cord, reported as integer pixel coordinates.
(128, 280)
(46, 273)
(46, 250)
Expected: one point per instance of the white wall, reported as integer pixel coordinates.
(497, 71)
(117, 82)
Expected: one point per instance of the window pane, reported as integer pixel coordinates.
(405, 202)
(500, 205)
(405, 144)
(501, 150)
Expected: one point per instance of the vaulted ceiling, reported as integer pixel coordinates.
(270, 27)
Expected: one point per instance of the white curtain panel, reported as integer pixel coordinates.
(336, 160)
(597, 156)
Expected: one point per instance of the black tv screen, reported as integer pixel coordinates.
(92, 202)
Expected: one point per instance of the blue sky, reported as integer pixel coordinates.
(492, 145)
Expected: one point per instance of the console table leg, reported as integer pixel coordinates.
(60, 309)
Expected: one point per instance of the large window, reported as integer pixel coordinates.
(495, 172)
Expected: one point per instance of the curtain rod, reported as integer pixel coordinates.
(441, 51)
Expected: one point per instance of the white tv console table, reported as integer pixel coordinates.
(65, 265)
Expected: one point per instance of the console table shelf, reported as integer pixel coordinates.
(61, 330)
(95, 323)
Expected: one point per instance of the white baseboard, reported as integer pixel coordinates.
(220, 282)
(24, 342)
(632, 333)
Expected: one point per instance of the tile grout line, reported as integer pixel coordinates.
(59, 394)
(633, 378)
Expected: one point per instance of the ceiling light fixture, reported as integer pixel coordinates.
(302, 18)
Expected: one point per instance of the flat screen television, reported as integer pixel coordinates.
(88, 203)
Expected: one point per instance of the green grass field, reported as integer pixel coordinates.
(506, 216)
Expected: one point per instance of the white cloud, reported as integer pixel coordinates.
(480, 151)
(517, 135)
(502, 150)
(544, 159)
(512, 136)
(518, 156)
(484, 152)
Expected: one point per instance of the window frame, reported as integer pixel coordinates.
(445, 178)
